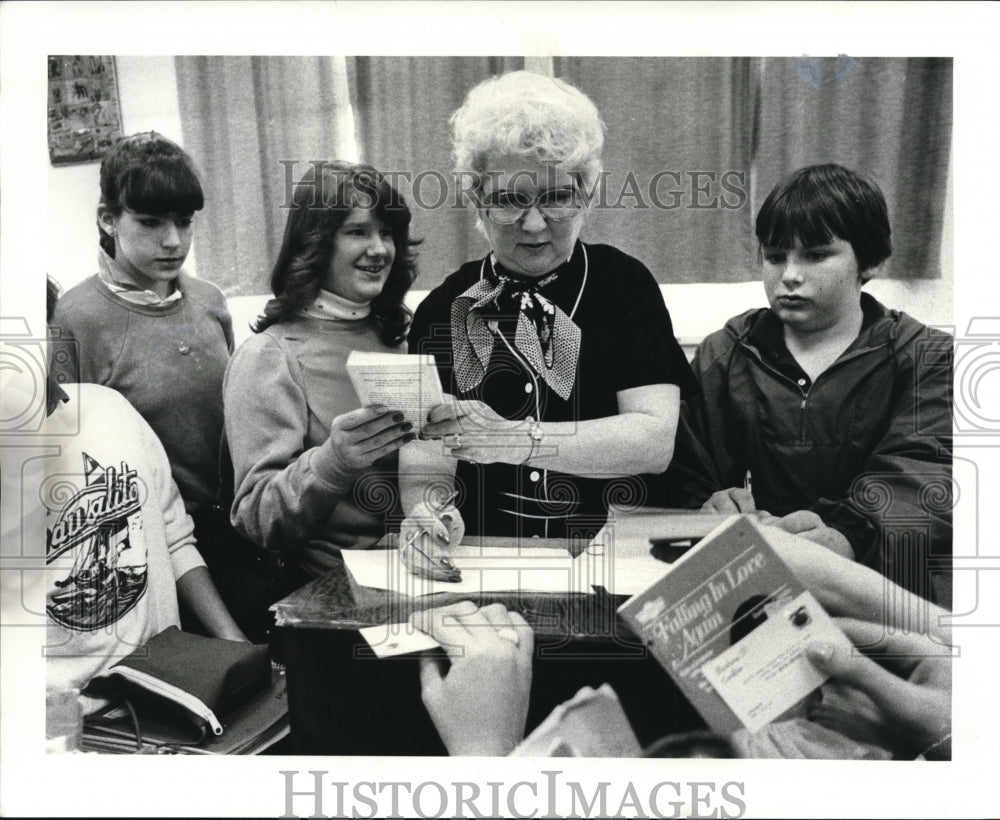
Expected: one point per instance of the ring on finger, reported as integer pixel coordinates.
(458, 440)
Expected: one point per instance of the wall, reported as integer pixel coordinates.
(148, 95)
(147, 92)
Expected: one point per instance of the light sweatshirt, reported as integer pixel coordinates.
(282, 390)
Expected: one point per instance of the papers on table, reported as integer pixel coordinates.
(500, 569)
(630, 532)
(484, 569)
(618, 559)
(620, 573)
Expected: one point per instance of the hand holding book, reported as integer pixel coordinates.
(730, 622)
(409, 384)
(910, 686)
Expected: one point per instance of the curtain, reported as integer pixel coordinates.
(253, 124)
(889, 118)
(403, 105)
(693, 144)
(677, 156)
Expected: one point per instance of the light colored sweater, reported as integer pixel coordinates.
(283, 388)
(118, 537)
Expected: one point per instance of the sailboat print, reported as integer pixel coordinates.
(102, 524)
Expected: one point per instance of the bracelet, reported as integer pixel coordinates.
(535, 435)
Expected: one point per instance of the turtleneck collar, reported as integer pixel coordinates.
(329, 305)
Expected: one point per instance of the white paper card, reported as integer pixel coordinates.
(766, 673)
(387, 640)
(407, 383)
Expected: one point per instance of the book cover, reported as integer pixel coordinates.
(408, 383)
(729, 622)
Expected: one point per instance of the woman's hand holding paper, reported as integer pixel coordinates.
(473, 431)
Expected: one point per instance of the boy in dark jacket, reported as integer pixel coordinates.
(837, 407)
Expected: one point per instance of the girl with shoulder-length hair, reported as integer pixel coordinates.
(318, 209)
(314, 472)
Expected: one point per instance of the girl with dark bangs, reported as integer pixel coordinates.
(141, 325)
(314, 472)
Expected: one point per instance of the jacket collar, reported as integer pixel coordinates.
(763, 330)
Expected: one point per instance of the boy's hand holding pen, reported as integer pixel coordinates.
(425, 532)
(734, 500)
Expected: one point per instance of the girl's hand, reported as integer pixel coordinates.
(444, 526)
(363, 436)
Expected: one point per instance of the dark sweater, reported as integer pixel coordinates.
(168, 361)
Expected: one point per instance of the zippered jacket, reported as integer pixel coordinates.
(867, 445)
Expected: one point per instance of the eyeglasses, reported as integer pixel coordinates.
(507, 207)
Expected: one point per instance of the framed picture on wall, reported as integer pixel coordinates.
(84, 118)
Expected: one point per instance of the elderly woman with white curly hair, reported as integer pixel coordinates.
(561, 354)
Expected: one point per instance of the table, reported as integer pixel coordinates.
(345, 701)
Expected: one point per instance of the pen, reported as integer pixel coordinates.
(748, 483)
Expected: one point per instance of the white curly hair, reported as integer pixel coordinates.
(524, 114)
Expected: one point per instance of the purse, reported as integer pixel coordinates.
(186, 680)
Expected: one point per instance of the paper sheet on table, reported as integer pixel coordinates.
(484, 569)
(619, 557)
(618, 574)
